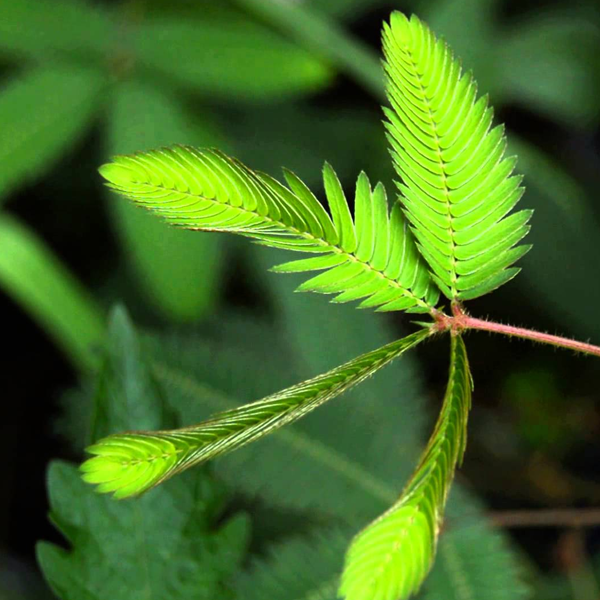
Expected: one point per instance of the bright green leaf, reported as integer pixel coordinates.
(391, 557)
(456, 187)
(207, 190)
(130, 463)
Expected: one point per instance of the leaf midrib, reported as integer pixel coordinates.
(442, 164)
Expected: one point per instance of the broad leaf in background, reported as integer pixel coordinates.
(42, 112)
(34, 277)
(473, 558)
(345, 9)
(131, 463)
(54, 29)
(164, 545)
(179, 270)
(229, 58)
(550, 62)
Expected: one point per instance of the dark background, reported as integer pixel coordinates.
(536, 422)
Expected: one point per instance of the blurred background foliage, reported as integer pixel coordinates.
(294, 83)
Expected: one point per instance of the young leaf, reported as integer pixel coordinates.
(456, 186)
(33, 276)
(130, 463)
(178, 270)
(391, 557)
(206, 190)
(42, 112)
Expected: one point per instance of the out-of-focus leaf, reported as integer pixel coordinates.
(44, 288)
(233, 59)
(550, 62)
(563, 264)
(262, 140)
(40, 29)
(324, 38)
(468, 26)
(42, 111)
(548, 177)
(164, 545)
(180, 270)
(344, 9)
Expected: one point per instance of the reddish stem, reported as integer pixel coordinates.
(536, 336)
(461, 321)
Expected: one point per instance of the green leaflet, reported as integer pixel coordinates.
(372, 257)
(391, 557)
(130, 463)
(456, 186)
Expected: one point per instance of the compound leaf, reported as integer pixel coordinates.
(207, 190)
(130, 463)
(456, 187)
(391, 557)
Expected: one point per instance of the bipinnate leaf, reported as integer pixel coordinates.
(372, 257)
(391, 557)
(456, 186)
(131, 463)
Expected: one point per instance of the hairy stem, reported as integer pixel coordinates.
(461, 321)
